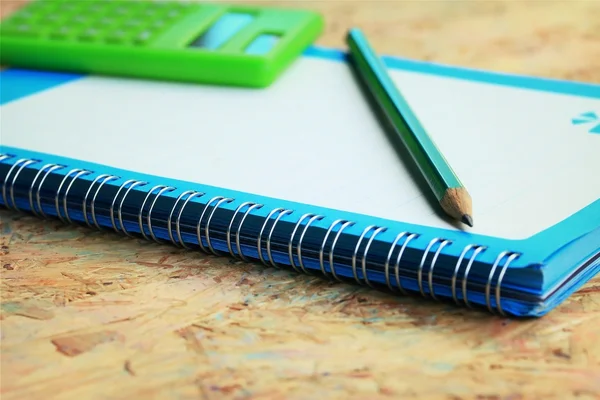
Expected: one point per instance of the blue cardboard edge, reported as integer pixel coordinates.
(583, 89)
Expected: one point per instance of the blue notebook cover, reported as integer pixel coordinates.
(311, 146)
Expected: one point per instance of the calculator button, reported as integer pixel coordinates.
(163, 4)
(106, 21)
(20, 30)
(142, 37)
(61, 32)
(51, 20)
(117, 37)
(120, 11)
(96, 8)
(89, 34)
(173, 14)
(159, 24)
(132, 24)
(68, 7)
(149, 12)
(80, 20)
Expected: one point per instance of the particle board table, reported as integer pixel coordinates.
(91, 315)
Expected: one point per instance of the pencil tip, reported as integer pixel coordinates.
(467, 219)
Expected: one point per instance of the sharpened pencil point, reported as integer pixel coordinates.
(467, 219)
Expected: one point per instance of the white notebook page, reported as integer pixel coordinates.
(312, 138)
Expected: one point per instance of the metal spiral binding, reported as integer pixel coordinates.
(345, 224)
(78, 172)
(393, 261)
(251, 206)
(15, 165)
(206, 228)
(410, 237)
(432, 266)
(51, 167)
(177, 221)
(498, 282)
(163, 189)
(282, 212)
(120, 209)
(377, 231)
(312, 218)
(478, 249)
(112, 206)
(192, 194)
(107, 177)
(2, 158)
(38, 196)
(149, 217)
(360, 239)
(12, 186)
(219, 200)
(22, 163)
(425, 254)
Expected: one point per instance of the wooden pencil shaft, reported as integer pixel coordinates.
(430, 161)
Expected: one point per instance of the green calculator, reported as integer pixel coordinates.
(210, 43)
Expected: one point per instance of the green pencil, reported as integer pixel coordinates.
(450, 192)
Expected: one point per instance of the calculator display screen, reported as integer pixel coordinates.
(222, 30)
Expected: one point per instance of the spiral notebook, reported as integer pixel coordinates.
(303, 176)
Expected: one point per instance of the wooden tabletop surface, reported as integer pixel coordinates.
(91, 315)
